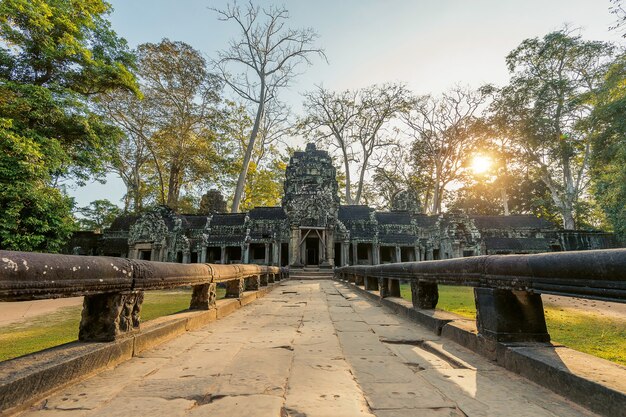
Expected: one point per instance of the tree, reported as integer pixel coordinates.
(609, 147)
(268, 56)
(354, 124)
(98, 215)
(55, 56)
(330, 120)
(553, 84)
(445, 133)
(170, 134)
(617, 9)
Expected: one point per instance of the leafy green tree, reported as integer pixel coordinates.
(54, 56)
(609, 147)
(98, 215)
(554, 82)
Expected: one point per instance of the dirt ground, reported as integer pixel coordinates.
(601, 308)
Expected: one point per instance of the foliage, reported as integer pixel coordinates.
(98, 215)
(54, 56)
(609, 147)
(554, 82)
(446, 130)
(355, 123)
(267, 57)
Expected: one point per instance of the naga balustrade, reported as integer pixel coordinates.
(507, 288)
(114, 287)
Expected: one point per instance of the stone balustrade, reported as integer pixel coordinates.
(507, 288)
(114, 287)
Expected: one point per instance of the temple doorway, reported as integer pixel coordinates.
(312, 247)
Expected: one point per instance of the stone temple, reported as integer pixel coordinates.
(312, 228)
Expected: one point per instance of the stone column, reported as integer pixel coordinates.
(417, 254)
(425, 295)
(276, 253)
(245, 255)
(253, 283)
(376, 254)
(266, 259)
(223, 254)
(345, 253)
(203, 297)
(294, 253)
(235, 288)
(394, 288)
(398, 254)
(203, 255)
(330, 248)
(510, 316)
(186, 257)
(355, 252)
(106, 317)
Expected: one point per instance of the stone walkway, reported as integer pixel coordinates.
(307, 349)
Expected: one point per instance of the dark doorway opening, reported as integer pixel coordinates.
(338, 258)
(312, 245)
(284, 254)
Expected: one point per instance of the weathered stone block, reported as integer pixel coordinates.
(371, 283)
(424, 294)
(203, 297)
(235, 288)
(383, 287)
(253, 283)
(105, 317)
(510, 316)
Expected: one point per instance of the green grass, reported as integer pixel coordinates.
(596, 335)
(61, 327)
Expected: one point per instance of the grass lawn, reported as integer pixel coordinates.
(586, 332)
(61, 327)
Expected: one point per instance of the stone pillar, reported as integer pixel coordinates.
(253, 283)
(294, 244)
(203, 255)
(383, 287)
(186, 257)
(425, 295)
(398, 254)
(276, 253)
(266, 261)
(355, 252)
(245, 254)
(235, 288)
(510, 316)
(345, 253)
(106, 317)
(418, 256)
(223, 254)
(203, 297)
(376, 254)
(330, 247)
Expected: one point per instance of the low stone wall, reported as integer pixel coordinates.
(27, 379)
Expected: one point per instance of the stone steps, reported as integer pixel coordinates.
(310, 273)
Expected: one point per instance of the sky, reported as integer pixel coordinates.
(430, 45)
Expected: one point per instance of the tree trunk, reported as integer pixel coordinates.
(505, 200)
(359, 191)
(173, 187)
(241, 181)
(346, 165)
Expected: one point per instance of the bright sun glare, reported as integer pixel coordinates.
(481, 164)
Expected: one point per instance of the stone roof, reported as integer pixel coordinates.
(193, 221)
(228, 219)
(515, 244)
(425, 221)
(511, 222)
(401, 238)
(393, 217)
(354, 212)
(267, 213)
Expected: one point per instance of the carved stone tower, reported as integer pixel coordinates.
(311, 203)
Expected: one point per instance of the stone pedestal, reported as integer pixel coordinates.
(235, 288)
(106, 317)
(203, 297)
(425, 295)
(371, 283)
(253, 283)
(510, 316)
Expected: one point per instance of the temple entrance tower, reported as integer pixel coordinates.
(311, 203)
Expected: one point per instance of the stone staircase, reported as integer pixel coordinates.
(308, 273)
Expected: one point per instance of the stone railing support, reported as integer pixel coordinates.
(424, 295)
(235, 288)
(107, 316)
(203, 297)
